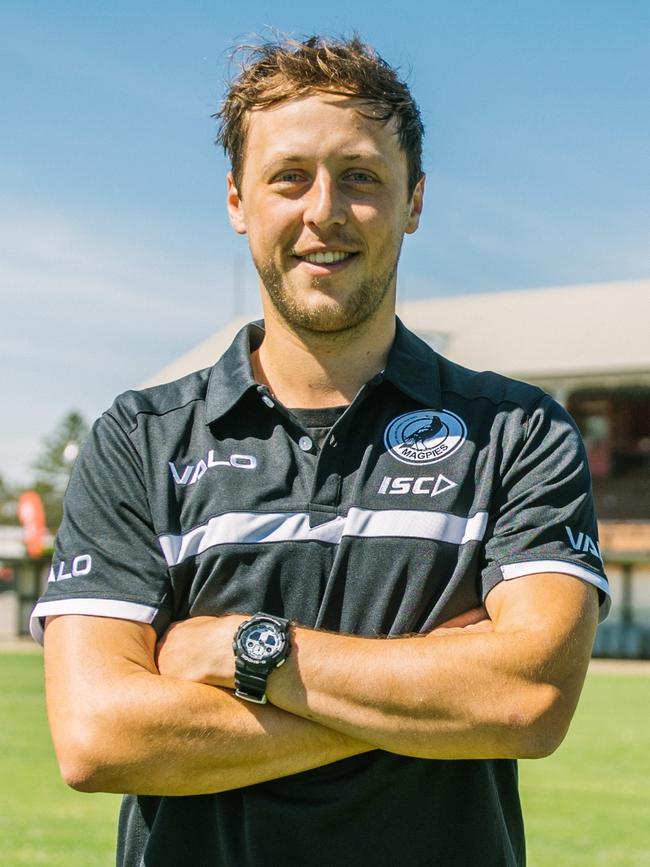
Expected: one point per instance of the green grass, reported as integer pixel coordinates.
(589, 804)
(42, 821)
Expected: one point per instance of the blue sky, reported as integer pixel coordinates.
(115, 252)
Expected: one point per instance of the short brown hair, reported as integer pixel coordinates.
(273, 72)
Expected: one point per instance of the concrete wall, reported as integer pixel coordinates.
(8, 614)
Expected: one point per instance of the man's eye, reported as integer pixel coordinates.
(288, 178)
(359, 177)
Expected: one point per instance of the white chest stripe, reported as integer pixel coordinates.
(406, 523)
(251, 528)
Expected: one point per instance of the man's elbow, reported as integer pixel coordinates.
(84, 773)
(82, 776)
(538, 742)
(538, 724)
(87, 760)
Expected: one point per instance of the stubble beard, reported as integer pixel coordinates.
(335, 317)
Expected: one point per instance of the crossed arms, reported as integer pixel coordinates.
(128, 716)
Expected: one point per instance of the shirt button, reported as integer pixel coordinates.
(305, 443)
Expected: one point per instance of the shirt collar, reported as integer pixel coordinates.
(232, 376)
(412, 367)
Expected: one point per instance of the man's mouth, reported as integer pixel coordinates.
(326, 257)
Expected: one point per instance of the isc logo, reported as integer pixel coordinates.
(430, 486)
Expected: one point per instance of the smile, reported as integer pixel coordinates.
(329, 257)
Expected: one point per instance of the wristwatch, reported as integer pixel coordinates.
(260, 645)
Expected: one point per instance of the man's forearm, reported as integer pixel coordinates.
(500, 688)
(186, 739)
(133, 730)
(509, 691)
(449, 696)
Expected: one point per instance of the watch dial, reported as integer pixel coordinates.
(261, 642)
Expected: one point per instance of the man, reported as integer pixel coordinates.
(415, 521)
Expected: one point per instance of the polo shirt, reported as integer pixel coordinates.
(207, 496)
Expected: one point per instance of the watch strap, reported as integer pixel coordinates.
(252, 687)
(250, 684)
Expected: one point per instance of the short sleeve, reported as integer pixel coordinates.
(107, 559)
(542, 517)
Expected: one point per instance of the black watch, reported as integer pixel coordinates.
(260, 645)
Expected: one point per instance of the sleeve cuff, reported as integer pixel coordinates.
(535, 567)
(94, 607)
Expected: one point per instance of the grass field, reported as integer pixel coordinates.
(586, 806)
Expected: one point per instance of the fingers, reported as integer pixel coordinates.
(467, 618)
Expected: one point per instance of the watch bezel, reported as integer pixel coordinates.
(279, 654)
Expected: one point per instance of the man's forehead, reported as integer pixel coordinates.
(340, 99)
(342, 114)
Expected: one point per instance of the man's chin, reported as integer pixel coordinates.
(317, 310)
(321, 321)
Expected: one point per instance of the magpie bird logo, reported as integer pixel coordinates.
(418, 438)
(425, 436)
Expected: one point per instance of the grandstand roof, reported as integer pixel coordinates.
(599, 330)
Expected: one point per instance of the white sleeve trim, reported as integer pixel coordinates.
(94, 607)
(535, 567)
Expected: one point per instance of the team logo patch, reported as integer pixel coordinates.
(425, 436)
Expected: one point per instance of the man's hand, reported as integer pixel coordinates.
(200, 650)
(475, 620)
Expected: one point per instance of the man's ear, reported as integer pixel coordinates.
(235, 206)
(415, 207)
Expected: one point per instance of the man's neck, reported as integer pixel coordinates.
(321, 370)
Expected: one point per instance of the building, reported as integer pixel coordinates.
(21, 580)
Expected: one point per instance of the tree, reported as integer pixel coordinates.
(53, 466)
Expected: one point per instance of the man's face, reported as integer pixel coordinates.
(324, 202)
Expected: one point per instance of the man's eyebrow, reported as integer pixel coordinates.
(376, 156)
(280, 159)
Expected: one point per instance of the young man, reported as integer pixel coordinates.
(387, 538)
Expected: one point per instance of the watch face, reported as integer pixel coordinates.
(261, 641)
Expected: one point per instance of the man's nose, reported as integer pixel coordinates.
(325, 205)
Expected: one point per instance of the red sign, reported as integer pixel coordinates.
(31, 515)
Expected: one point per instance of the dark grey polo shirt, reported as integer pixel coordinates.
(206, 496)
